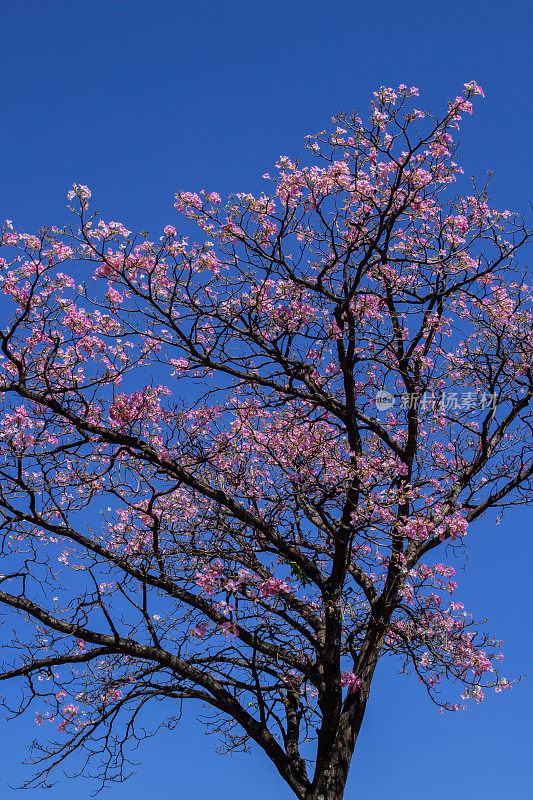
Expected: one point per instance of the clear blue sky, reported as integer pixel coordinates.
(137, 99)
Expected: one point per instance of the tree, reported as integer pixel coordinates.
(227, 466)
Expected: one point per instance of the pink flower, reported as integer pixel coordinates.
(79, 190)
(272, 587)
(350, 680)
(228, 629)
(70, 711)
(478, 694)
(473, 87)
(200, 630)
(111, 696)
(187, 202)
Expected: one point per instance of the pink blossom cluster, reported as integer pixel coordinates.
(350, 680)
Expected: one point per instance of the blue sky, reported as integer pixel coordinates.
(140, 99)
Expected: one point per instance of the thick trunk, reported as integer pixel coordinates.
(331, 788)
(331, 776)
(331, 782)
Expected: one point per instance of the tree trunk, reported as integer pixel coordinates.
(331, 782)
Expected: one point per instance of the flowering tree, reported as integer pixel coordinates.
(228, 467)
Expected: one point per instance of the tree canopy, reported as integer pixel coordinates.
(230, 470)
